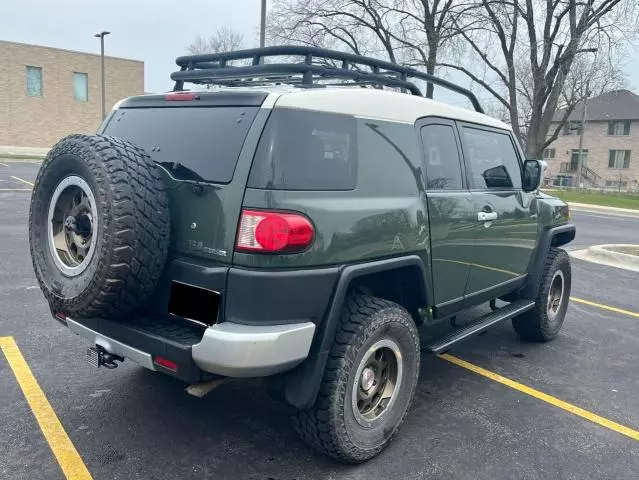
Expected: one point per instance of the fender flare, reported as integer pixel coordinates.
(550, 237)
(302, 383)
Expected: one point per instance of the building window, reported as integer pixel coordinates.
(80, 86)
(619, 127)
(619, 159)
(572, 128)
(549, 153)
(616, 183)
(34, 81)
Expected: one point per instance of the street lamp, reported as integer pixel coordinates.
(101, 36)
(583, 121)
(263, 24)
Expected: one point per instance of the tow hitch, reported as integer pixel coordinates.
(99, 357)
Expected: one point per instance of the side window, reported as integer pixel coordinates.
(492, 159)
(443, 168)
(306, 150)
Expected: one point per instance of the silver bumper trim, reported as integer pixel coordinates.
(237, 350)
(112, 346)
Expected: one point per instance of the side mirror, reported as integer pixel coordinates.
(497, 177)
(533, 174)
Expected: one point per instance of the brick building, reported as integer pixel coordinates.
(610, 147)
(47, 93)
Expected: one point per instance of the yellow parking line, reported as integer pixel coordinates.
(22, 180)
(605, 307)
(604, 422)
(68, 457)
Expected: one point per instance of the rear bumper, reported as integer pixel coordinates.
(236, 350)
(226, 349)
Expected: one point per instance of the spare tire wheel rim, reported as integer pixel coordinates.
(72, 225)
(377, 382)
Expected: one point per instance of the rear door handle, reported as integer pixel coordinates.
(486, 216)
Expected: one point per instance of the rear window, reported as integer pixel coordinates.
(305, 150)
(193, 143)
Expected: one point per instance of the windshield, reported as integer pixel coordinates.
(193, 143)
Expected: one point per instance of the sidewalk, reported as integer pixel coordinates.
(586, 207)
(19, 153)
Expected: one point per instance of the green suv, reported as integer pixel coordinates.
(287, 222)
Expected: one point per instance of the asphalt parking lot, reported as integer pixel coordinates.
(480, 413)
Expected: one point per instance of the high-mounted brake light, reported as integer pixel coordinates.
(181, 96)
(273, 232)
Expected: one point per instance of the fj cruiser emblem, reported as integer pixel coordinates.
(196, 246)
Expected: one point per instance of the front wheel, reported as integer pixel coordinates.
(543, 322)
(369, 382)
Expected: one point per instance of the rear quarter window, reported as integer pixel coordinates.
(306, 150)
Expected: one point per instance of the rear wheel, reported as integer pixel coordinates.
(543, 322)
(369, 382)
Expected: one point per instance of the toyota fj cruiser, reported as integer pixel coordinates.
(287, 222)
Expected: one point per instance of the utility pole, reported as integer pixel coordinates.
(101, 36)
(263, 25)
(581, 138)
(583, 121)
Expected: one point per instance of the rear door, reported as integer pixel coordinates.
(505, 219)
(198, 145)
(450, 210)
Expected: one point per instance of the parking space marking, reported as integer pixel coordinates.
(22, 180)
(4, 164)
(65, 453)
(15, 189)
(605, 307)
(592, 417)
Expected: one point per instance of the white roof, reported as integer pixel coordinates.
(375, 104)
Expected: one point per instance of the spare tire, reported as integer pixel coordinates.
(98, 226)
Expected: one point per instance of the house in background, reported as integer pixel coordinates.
(610, 155)
(48, 93)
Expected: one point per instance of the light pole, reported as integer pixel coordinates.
(101, 36)
(583, 121)
(263, 24)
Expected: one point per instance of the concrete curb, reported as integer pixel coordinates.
(602, 255)
(21, 156)
(587, 207)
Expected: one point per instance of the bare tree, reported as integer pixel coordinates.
(531, 56)
(409, 32)
(223, 39)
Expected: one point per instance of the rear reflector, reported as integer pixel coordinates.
(273, 232)
(61, 316)
(180, 96)
(166, 363)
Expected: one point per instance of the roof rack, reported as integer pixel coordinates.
(318, 64)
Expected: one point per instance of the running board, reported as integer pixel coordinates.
(478, 325)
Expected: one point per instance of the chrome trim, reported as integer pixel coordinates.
(112, 346)
(236, 350)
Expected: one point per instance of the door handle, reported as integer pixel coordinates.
(486, 216)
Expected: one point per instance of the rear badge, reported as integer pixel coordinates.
(196, 246)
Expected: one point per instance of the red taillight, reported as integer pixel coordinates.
(166, 363)
(180, 96)
(61, 316)
(273, 232)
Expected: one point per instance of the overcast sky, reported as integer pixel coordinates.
(155, 31)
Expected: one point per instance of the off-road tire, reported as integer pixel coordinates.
(535, 325)
(132, 229)
(330, 425)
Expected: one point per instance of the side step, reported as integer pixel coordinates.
(478, 325)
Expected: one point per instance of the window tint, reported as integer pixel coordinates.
(492, 159)
(304, 150)
(80, 86)
(389, 158)
(34, 81)
(193, 143)
(443, 169)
